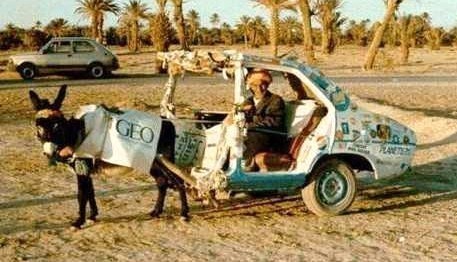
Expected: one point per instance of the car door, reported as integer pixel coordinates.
(83, 53)
(59, 55)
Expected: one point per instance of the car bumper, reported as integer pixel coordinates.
(115, 65)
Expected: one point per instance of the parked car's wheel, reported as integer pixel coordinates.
(331, 190)
(27, 71)
(96, 70)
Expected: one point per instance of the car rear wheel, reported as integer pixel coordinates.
(27, 71)
(96, 70)
(331, 190)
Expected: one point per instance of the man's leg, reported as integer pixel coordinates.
(255, 143)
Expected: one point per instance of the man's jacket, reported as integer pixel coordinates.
(268, 114)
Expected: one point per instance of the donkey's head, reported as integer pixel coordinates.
(50, 123)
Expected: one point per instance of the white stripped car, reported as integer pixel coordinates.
(326, 150)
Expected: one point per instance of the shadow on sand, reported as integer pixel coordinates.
(425, 184)
(18, 204)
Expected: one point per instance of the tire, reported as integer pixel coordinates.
(331, 190)
(27, 71)
(96, 70)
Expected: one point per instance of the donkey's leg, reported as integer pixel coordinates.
(82, 201)
(162, 185)
(92, 203)
(184, 205)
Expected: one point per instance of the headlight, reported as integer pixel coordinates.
(10, 65)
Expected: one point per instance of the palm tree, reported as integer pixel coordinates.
(180, 23)
(243, 26)
(420, 25)
(357, 33)
(107, 6)
(305, 10)
(330, 21)
(226, 34)
(56, 27)
(193, 21)
(134, 10)
(37, 25)
(95, 11)
(290, 28)
(215, 20)
(405, 28)
(258, 30)
(434, 37)
(160, 28)
(392, 6)
(275, 7)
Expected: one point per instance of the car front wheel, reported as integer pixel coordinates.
(331, 190)
(96, 70)
(27, 71)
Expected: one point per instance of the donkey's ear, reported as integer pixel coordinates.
(60, 97)
(35, 99)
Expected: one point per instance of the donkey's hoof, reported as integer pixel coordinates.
(90, 221)
(77, 224)
(184, 218)
(155, 214)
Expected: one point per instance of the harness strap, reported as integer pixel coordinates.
(46, 113)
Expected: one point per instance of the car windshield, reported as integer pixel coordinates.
(338, 97)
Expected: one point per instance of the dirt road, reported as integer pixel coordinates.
(154, 79)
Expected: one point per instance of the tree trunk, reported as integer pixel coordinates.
(404, 47)
(101, 21)
(180, 26)
(303, 5)
(374, 47)
(245, 39)
(135, 36)
(94, 27)
(274, 31)
(326, 34)
(129, 40)
(404, 52)
(405, 23)
(254, 38)
(412, 42)
(289, 38)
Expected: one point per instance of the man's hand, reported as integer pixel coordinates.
(228, 120)
(66, 152)
(247, 107)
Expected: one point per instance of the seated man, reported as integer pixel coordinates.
(264, 118)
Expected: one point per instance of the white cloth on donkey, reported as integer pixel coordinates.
(127, 139)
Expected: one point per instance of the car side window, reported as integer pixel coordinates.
(52, 48)
(83, 47)
(59, 47)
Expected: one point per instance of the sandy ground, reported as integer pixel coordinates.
(409, 218)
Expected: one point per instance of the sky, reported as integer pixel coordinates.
(25, 13)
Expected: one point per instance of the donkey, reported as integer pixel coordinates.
(60, 137)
